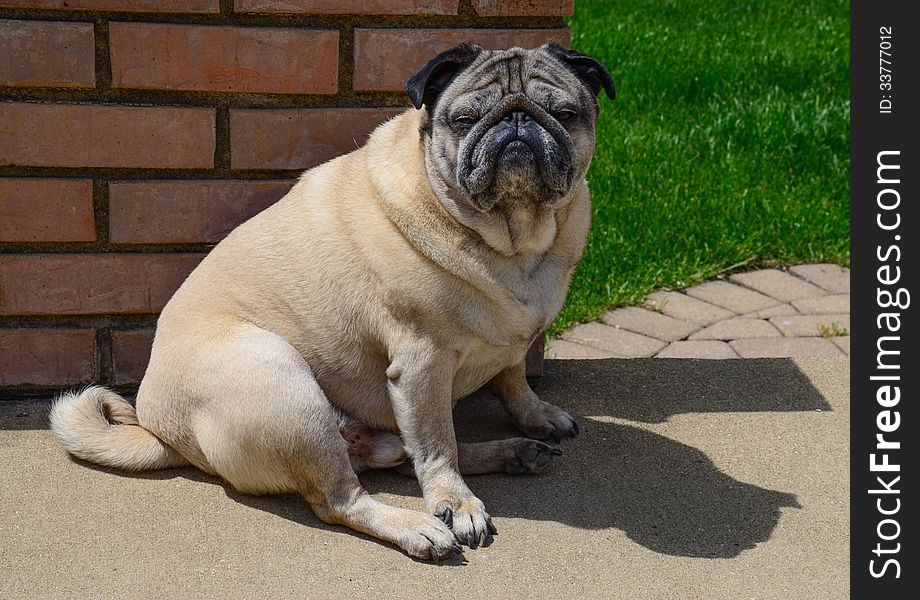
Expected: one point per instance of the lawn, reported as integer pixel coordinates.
(726, 148)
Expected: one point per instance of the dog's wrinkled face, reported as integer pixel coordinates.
(512, 129)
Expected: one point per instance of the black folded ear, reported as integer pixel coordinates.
(588, 69)
(425, 86)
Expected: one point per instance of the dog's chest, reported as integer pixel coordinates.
(533, 301)
(481, 364)
(505, 337)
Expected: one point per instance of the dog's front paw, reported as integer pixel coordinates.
(468, 519)
(545, 421)
(427, 538)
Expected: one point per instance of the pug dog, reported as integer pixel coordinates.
(335, 330)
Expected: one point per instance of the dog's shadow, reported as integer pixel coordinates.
(665, 495)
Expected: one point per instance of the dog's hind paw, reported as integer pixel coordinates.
(531, 456)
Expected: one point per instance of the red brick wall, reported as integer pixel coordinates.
(135, 134)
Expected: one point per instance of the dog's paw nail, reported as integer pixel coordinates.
(575, 427)
(447, 516)
(471, 541)
(491, 527)
(547, 449)
(551, 450)
(457, 548)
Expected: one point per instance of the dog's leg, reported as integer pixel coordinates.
(419, 381)
(534, 417)
(270, 428)
(515, 456)
(372, 449)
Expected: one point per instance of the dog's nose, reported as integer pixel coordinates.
(517, 117)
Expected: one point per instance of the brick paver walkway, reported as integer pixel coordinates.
(804, 311)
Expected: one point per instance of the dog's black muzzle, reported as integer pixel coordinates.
(515, 133)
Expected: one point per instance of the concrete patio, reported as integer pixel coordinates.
(691, 478)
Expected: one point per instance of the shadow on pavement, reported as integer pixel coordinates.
(651, 390)
(665, 495)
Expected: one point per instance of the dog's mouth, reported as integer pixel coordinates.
(517, 151)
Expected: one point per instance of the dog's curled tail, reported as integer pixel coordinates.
(100, 426)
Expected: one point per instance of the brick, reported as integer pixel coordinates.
(731, 297)
(810, 325)
(385, 59)
(835, 303)
(47, 357)
(681, 306)
(776, 284)
(784, 348)
(563, 350)
(833, 278)
(164, 212)
(75, 135)
(349, 7)
(161, 6)
(130, 355)
(709, 349)
(618, 342)
(524, 8)
(299, 138)
(43, 53)
(46, 210)
(649, 323)
(73, 284)
(780, 310)
(735, 329)
(270, 60)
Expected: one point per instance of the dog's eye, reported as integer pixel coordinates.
(565, 115)
(463, 121)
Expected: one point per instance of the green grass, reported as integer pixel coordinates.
(727, 146)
